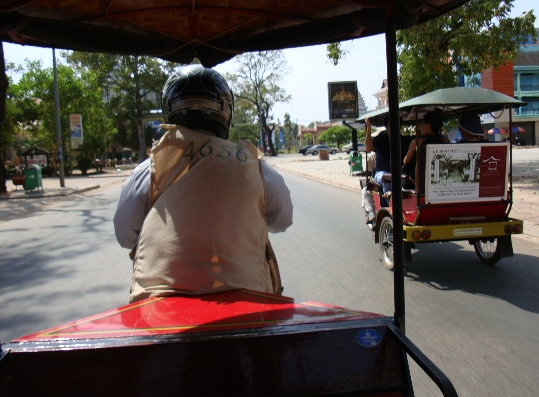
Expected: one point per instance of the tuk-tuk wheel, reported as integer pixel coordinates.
(487, 250)
(386, 242)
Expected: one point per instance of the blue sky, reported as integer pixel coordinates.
(309, 71)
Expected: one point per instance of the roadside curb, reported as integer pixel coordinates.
(46, 193)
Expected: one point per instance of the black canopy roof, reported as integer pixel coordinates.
(212, 30)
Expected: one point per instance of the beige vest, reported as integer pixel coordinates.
(205, 231)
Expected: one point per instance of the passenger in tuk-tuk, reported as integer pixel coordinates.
(430, 131)
(197, 213)
(471, 129)
(380, 146)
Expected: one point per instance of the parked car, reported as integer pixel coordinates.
(348, 148)
(315, 149)
(304, 148)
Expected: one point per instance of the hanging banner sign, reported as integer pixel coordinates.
(466, 172)
(343, 98)
(39, 159)
(75, 128)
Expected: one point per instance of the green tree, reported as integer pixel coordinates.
(465, 41)
(98, 126)
(244, 112)
(291, 132)
(78, 93)
(335, 52)
(131, 85)
(34, 95)
(7, 113)
(244, 131)
(339, 134)
(257, 82)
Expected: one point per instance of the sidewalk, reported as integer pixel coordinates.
(74, 184)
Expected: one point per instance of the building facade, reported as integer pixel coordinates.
(519, 79)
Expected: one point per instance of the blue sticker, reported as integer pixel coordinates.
(368, 338)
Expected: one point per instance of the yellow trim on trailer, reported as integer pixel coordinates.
(463, 231)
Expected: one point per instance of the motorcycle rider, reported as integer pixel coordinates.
(197, 213)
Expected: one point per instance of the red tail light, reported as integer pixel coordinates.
(516, 229)
(425, 234)
(421, 234)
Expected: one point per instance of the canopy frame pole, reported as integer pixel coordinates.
(510, 161)
(396, 166)
(58, 125)
(354, 135)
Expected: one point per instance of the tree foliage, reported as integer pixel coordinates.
(338, 133)
(465, 41)
(12, 114)
(257, 82)
(5, 133)
(336, 52)
(244, 132)
(290, 132)
(33, 98)
(130, 83)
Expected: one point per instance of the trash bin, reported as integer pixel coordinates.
(323, 155)
(32, 177)
(355, 161)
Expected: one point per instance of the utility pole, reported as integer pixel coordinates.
(58, 128)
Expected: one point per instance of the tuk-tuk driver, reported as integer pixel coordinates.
(380, 145)
(197, 213)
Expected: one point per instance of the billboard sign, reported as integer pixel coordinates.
(343, 100)
(39, 159)
(75, 129)
(466, 172)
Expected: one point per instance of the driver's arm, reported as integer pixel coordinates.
(279, 208)
(411, 152)
(369, 147)
(132, 206)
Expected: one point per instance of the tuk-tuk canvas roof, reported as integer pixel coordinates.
(453, 102)
(212, 30)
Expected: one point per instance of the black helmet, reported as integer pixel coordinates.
(198, 97)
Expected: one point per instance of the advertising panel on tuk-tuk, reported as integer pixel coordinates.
(467, 172)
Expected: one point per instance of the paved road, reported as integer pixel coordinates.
(61, 262)
(478, 323)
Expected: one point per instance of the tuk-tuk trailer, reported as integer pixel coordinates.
(462, 191)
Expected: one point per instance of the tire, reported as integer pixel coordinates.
(386, 242)
(304, 153)
(487, 250)
(333, 151)
(315, 153)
